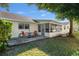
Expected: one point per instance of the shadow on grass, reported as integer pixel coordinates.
(58, 46)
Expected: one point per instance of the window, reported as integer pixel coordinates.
(26, 26)
(47, 27)
(39, 28)
(60, 28)
(51, 28)
(54, 27)
(23, 26)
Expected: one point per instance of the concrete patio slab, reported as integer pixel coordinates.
(19, 41)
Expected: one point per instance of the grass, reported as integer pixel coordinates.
(58, 46)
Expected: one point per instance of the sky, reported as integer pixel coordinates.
(30, 11)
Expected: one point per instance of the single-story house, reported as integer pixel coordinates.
(47, 28)
(51, 28)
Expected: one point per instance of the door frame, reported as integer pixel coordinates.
(42, 29)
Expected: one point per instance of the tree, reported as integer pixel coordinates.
(62, 10)
(5, 33)
(5, 5)
(5, 29)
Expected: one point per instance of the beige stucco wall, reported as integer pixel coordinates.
(65, 30)
(33, 27)
(53, 34)
(46, 34)
(16, 31)
(75, 26)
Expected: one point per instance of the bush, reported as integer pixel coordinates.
(5, 32)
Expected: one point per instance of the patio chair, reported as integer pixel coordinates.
(23, 34)
(30, 35)
(35, 34)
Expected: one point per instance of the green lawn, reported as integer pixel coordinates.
(58, 46)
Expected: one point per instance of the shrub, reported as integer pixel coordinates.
(5, 32)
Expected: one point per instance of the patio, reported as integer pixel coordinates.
(57, 46)
(22, 40)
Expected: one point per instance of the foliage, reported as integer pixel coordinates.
(5, 5)
(5, 32)
(63, 10)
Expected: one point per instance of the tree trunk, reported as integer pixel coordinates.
(71, 28)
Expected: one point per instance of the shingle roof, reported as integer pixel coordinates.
(47, 21)
(51, 21)
(65, 23)
(15, 17)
